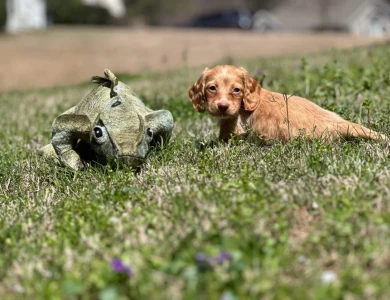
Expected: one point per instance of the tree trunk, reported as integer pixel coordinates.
(25, 15)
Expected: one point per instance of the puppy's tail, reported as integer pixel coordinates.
(350, 130)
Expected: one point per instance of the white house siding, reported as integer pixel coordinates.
(360, 17)
(372, 20)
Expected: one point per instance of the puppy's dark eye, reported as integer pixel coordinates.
(236, 90)
(98, 132)
(149, 132)
(213, 88)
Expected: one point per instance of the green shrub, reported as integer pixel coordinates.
(2, 13)
(74, 12)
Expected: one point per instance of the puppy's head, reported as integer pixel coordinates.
(225, 90)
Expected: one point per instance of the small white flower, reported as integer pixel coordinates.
(114, 220)
(314, 205)
(19, 289)
(47, 273)
(328, 277)
(303, 259)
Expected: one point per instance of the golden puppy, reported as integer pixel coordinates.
(243, 106)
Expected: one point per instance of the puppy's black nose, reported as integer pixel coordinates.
(223, 107)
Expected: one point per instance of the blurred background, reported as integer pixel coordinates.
(59, 42)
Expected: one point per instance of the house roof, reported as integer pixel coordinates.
(308, 14)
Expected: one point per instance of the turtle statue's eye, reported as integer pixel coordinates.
(98, 132)
(149, 132)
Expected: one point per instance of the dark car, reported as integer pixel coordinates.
(226, 19)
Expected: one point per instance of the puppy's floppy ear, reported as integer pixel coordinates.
(196, 93)
(251, 91)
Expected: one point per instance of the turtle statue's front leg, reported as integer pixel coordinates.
(67, 130)
(48, 152)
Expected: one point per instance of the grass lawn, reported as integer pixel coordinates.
(302, 220)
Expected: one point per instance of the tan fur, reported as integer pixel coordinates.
(243, 106)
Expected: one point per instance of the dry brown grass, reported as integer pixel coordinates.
(68, 55)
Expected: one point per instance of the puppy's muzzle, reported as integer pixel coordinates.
(223, 107)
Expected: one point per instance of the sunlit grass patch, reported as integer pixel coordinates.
(203, 219)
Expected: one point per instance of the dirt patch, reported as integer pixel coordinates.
(302, 227)
(67, 55)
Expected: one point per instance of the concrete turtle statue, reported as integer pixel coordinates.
(109, 124)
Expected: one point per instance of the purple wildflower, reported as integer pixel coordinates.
(201, 258)
(119, 267)
(222, 257)
(258, 72)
